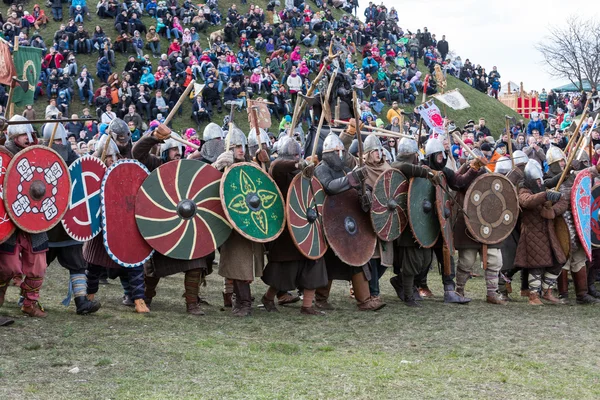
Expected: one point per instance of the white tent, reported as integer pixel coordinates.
(513, 87)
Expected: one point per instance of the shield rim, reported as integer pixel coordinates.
(440, 197)
(597, 186)
(576, 219)
(288, 223)
(466, 207)
(226, 210)
(370, 252)
(14, 226)
(62, 221)
(103, 207)
(5, 186)
(428, 246)
(379, 179)
(204, 165)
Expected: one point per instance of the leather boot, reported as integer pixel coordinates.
(3, 288)
(194, 309)
(311, 311)
(562, 282)
(496, 299)
(5, 321)
(549, 296)
(362, 294)
(150, 284)
(425, 292)
(451, 296)
(243, 299)
(322, 296)
(85, 306)
(227, 300)
(140, 306)
(287, 298)
(396, 283)
(581, 287)
(534, 299)
(34, 310)
(269, 304)
(591, 280)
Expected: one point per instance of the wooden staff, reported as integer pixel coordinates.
(571, 157)
(11, 106)
(510, 152)
(53, 134)
(185, 94)
(588, 139)
(358, 134)
(374, 128)
(179, 139)
(322, 117)
(379, 134)
(578, 128)
(105, 149)
(467, 148)
(295, 116)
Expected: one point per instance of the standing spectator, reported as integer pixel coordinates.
(543, 98)
(443, 48)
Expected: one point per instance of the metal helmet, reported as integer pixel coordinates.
(503, 165)
(22, 129)
(407, 147)
(332, 143)
(372, 143)
(520, 157)
(288, 147)
(555, 154)
(264, 138)
(168, 145)
(237, 138)
(111, 151)
(533, 170)
(212, 131)
(119, 131)
(433, 146)
(61, 132)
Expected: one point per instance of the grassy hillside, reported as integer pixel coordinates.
(481, 105)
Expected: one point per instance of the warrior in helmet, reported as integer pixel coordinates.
(159, 265)
(69, 252)
(23, 253)
(437, 156)
(260, 154)
(336, 174)
(241, 260)
(287, 268)
(576, 260)
(94, 252)
(213, 146)
(539, 249)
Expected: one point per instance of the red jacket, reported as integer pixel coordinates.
(58, 60)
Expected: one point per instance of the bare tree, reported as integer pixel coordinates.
(573, 51)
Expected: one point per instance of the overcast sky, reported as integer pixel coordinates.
(501, 33)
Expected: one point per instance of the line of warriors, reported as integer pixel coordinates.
(533, 248)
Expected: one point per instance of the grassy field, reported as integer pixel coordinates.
(477, 351)
(481, 104)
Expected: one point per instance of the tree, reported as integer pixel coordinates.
(573, 51)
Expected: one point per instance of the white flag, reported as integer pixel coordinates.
(453, 99)
(431, 115)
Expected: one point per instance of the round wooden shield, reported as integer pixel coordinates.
(492, 208)
(178, 210)
(388, 215)
(252, 202)
(304, 210)
(122, 240)
(595, 217)
(444, 212)
(421, 212)
(348, 228)
(82, 219)
(37, 189)
(7, 227)
(581, 195)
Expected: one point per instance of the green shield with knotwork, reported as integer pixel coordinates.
(252, 202)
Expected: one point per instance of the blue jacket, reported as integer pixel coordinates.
(535, 125)
(372, 63)
(75, 3)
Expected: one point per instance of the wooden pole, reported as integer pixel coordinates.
(179, 139)
(11, 107)
(358, 134)
(295, 116)
(105, 149)
(185, 94)
(322, 118)
(510, 151)
(53, 134)
(467, 148)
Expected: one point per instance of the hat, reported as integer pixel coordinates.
(468, 141)
(597, 147)
(486, 147)
(500, 144)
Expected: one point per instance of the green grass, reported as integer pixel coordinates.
(477, 351)
(481, 105)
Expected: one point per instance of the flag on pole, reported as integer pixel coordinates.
(431, 115)
(7, 67)
(453, 99)
(28, 64)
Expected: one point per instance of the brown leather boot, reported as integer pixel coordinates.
(227, 300)
(287, 298)
(581, 287)
(3, 288)
(534, 299)
(243, 298)
(311, 311)
(496, 299)
(549, 296)
(562, 282)
(269, 304)
(140, 306)
(322, 296)
(425, 292)
(194, 309)
(525, 292)
(34, 310)
(363, 294)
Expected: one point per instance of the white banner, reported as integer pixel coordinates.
(432, 117)
(453, 99)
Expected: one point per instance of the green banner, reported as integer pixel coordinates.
(28, 63)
